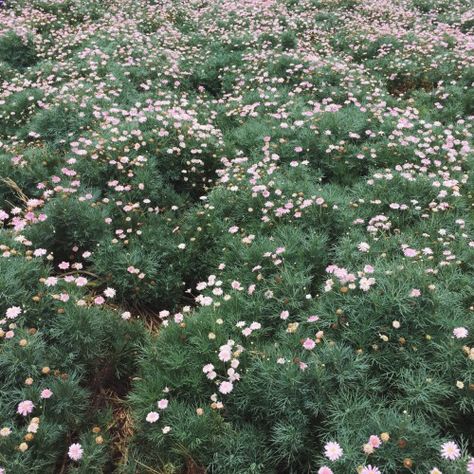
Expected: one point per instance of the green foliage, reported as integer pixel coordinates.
(69, 222)
(288, 40)
(231, 233)
(18, 52)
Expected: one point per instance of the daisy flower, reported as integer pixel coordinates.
(152, 417)
(75, 451)
(25, 407)
(450, 450)
(370, 470)
(325, 470)
(333, 451)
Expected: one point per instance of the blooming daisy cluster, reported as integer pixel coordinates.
(236, 236)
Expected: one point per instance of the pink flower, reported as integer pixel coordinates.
(375, 441)
(99, 300)
(233, 229)
(460, 333)
(25, 407)
(51, 281)
(333, 451)
(325, 470)
(13, 312)
(75, 451)
(208, 368)
(366, 283)
(152, 417)
(63, 266)
(46, 393)
(225, 353)
(470, 466)
(163, 404)
(370, 470)
(369, 269)
(64, 297)
(236, 285)
(450, 450)
(81, 281)
(309, 344)
(226, 387)
(284, 315)
(408, 252)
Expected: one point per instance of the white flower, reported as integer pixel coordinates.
(152, 417)
(13, 312)
(109, 292)
(226, 387)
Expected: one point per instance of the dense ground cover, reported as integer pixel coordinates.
(236, 236)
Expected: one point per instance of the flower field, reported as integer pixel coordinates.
(236, 236)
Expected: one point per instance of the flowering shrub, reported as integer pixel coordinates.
(236, 236)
